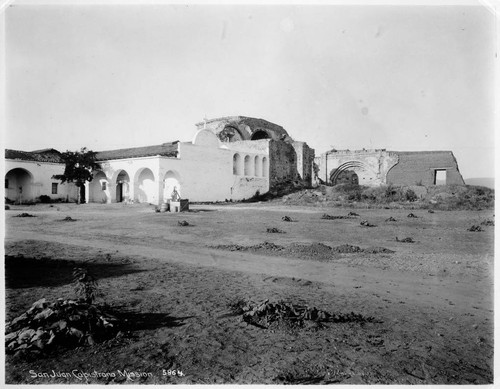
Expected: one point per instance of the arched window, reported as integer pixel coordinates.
(248, 166)
(265, 167)
(237, 164)
(258, 166)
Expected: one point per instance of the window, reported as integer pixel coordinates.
(103, 185)
(54, 188)
(6, 183)
(440, 177)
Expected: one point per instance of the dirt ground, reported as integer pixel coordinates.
(172, 287)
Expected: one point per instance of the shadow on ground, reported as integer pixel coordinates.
(26, 272)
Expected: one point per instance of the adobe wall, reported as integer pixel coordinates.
(40, 182)
(305, 161)
(136, 188)
(282, 163)
(419, 167)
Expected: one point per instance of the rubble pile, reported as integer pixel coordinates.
(286, 315)
(67, 323)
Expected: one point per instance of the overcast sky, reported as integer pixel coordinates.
(393, 77)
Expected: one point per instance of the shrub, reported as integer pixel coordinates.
(85, 285)
(411, 195)
(45, 199)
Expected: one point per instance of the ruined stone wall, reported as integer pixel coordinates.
(419, 168)
(371, 166)
(282, 163)
(305, 160)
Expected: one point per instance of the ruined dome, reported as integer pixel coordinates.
(239, 128)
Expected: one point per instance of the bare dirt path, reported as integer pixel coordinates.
(422, 291)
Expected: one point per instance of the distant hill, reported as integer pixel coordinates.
(489, 182)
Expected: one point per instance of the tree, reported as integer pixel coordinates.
(79, 167)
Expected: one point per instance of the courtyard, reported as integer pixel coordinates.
(173, 287)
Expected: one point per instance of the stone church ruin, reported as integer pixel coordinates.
(382, 167)
(229, 158)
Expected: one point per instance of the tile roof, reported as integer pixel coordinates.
(165, 150)
(47, 155)
(51, 155)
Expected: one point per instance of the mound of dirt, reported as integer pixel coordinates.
(405, 240)
(488, 223)
(335, 217)
(68, 219)
(267, 246)
(378, 250)
(390, 219)
(24, 214)
(283, 315)
(310, 250)
(316, 251)
(287, 219)
(366, 223)
(347, 249)
(475, 228)
(275, 230)
(67, 323)
(183, 223)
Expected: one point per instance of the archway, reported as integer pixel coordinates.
(353, 170)
(230, 134)
(122, 186)
(144, 186)
(171, 181)
(346, 177)
(99, 188)
(18, 185)
(260, 134)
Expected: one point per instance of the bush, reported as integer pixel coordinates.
(411, 195)
(45, 199)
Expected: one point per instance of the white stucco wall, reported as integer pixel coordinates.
(202, 171)
(37, 182)
(141, 183)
